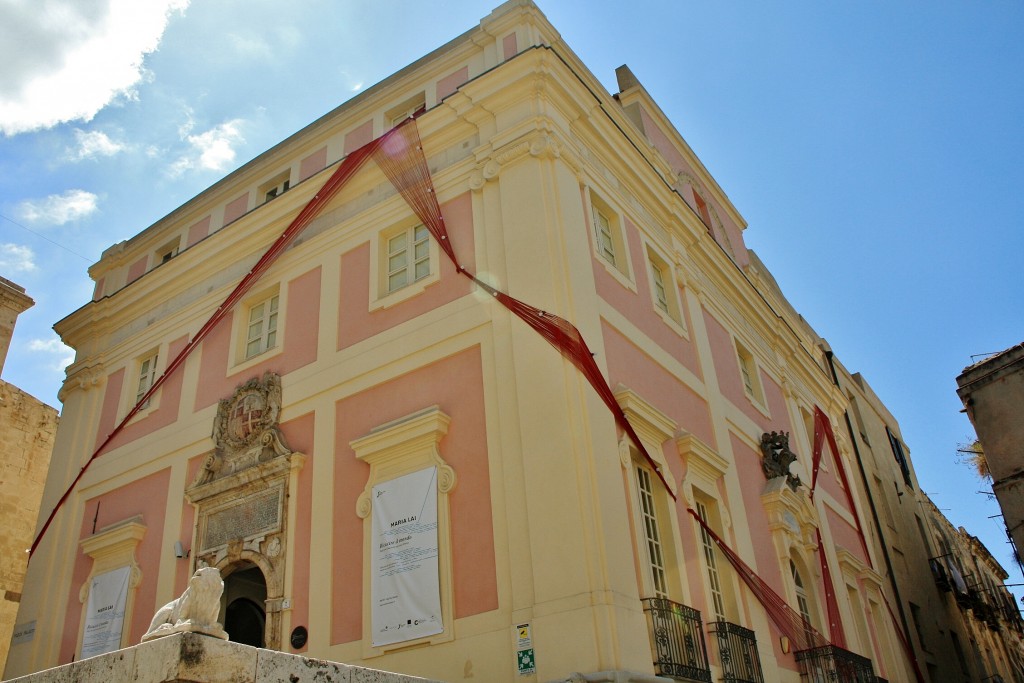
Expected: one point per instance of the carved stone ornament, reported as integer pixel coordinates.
(195, 611)
(245, 432)
(776, 458)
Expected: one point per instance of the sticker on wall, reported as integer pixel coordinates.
(526, 661)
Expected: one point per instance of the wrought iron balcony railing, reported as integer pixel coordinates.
(677, 640)
(737, 653)
(834, 664)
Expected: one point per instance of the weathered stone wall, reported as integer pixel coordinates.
(27, 428)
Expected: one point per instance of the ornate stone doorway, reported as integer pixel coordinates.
(243, 501)
(244, 605)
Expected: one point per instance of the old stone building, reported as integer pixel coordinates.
(475, 377)
(27, 428)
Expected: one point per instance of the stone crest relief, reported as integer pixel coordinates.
(245, 431)
(777, 457)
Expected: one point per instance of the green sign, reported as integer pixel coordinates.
(526, 662)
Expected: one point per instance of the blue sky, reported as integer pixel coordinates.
(873, 148)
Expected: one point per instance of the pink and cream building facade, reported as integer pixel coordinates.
(362, 358)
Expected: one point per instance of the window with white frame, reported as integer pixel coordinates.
(749, 374)
(261, 326)
(663, 289)
(166, 252)
(276, 187)
(407, 257)
(608, 237)
(414, 105)
(651, 531)
(711, 562)
(146, 376)
(803, 599)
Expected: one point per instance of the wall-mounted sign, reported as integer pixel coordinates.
(405, 588)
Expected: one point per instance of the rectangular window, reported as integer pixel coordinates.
(410, 107)
(915, 614)
(749, 374)
(609, 242)
(702, 209)
(603, 231)
(147, 375)
(900, 456)
(276, 187)
(663, 289)
(652, 534)
(261, 333)
(408, 257)
(658, 280)
(711, 560)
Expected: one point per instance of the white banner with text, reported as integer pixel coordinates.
(405, 591)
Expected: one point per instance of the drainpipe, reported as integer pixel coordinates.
(871, 503)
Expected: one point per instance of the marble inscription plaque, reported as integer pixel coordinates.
(256, 514)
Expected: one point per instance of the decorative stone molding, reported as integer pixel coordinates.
(792, 518)
(652, 426)
(113, 547)
(704, 467)
(542, 144)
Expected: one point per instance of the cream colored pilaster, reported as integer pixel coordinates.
(321, 528)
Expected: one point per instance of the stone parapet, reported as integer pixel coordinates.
(194, 658)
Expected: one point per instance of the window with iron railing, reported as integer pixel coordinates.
(677, 640)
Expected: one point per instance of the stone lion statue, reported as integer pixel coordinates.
(196, 610)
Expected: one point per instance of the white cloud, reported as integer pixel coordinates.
(65, 60)
(15, 258)
(212, 150)
(62, 356)
(58, 209)
(94, 144)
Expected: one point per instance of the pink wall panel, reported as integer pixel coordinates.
(137, 269)
(638, 307)
(456, 385)
(356, 322)
(168, 403)
(314, 163)
(509, 46)
(846, 535)
(299, 436)
(236, 208)
(628, 365)
(450, 83)
(108, 411)
(358, 137)
(198, 231)
(146, 497)
(302, 329)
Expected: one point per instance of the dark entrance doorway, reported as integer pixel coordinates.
(244, 607)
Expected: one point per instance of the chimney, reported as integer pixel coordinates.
(13, 302)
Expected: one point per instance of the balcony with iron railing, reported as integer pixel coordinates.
(737, 653)
(677, 640)
(830, 663)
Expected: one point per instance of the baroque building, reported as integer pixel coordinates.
(474, 377)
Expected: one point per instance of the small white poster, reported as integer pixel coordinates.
(405, 592)
(104, 612)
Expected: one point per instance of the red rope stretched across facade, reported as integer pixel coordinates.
(400, 155)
